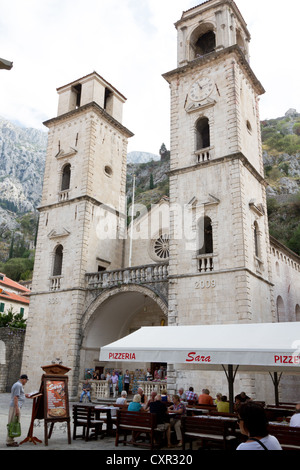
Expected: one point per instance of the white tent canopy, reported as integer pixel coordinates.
(252, 347)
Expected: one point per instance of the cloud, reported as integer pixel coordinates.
(131, 43)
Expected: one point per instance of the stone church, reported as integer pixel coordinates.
(202, 256)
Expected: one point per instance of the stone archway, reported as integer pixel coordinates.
(115, 313)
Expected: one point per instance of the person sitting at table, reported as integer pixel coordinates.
(223, 405)
(205, 398)
(122, 400)
(175, 421)
(191, 396)
(160, 409)
(295, 419)
(182, 394)
(254, 424)
(86, 390)
(144, 399)
(218, 398)
(164, 396)
(151, 399)
(135, 405)
(239, 399)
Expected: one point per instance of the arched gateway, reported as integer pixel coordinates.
(114, 313)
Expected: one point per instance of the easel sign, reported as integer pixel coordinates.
(56, 398)
(51, 403)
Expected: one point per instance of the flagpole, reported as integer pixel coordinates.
(131, 228)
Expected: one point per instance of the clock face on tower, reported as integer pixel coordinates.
(201, 89)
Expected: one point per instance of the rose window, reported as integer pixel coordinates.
(161, 247)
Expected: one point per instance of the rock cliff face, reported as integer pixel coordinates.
(22, 162)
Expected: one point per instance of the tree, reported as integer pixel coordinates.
(11, 249)
(10, 319)
(294, 242)
(151, 182)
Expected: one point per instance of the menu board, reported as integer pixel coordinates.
(56, 394)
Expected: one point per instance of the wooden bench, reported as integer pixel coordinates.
(135, 423)
(288, 436)
(84, 416)
(219, 432)
(274, 414)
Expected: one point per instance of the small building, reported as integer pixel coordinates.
(13, 295)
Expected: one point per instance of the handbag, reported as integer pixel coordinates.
(14, 428)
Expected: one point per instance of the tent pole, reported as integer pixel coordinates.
(276, 382)
(230, 378)
(230, 385)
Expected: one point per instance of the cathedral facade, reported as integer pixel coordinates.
(202, 256)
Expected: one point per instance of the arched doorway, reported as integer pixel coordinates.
(116, 313)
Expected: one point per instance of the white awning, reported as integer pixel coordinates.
(256, 347)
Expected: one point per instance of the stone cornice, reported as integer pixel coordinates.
(221, 160)
(93, 107)
(79, 199)
(208, 5)
(291, 254)
(213, 57)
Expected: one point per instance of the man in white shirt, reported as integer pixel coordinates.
(295, 419)
(16, 402)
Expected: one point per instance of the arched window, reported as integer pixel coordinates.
(205, 236)
(205, 44)
(202, 41)
(202, 134)
(66, 178)
(280, 309)
(256, 240)
(58, 261)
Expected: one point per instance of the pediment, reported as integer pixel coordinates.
(199, 106)
(205, 200)
(66, 154)
(58, 233)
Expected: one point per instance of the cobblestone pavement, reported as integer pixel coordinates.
(59, 438)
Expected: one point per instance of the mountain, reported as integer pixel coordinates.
(141, 157)
(281, 153)
(22, 161)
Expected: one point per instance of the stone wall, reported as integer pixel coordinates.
(11, 352)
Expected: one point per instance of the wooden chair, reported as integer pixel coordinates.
(135, 423)
(84, 416)
(219, 432)
(288, 436)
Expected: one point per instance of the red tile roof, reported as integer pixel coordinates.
(10, 296)
(7, 282)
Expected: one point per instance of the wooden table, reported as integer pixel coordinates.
(110, 412)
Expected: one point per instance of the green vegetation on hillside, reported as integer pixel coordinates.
(281, 144)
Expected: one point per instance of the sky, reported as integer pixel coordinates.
(131, 43)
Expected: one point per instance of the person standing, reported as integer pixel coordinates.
(126, 381)
(114, 381)
(16, 402)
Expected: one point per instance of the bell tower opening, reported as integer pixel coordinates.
(202, 41)
(205, 44)
(202, 134)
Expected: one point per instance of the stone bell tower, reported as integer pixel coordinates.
(82, 217)
(219, 264)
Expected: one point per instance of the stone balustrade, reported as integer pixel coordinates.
(153, 386)
(205, 263)
(134, 275)
(204, 155)
(101, 388)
